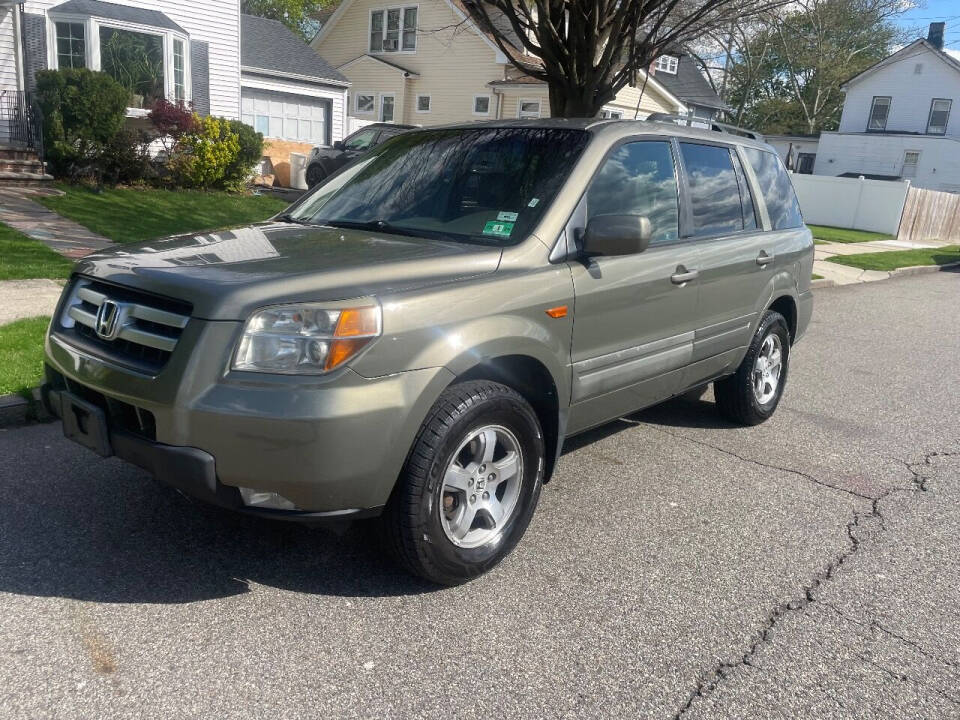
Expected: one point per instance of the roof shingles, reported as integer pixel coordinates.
(269, 45)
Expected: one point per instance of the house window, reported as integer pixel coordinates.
(611, 114)
(667, 64)
(528, 108)
(481, 104)
(365, 103)
(879, 111)
(393, 30)
(911, 158)
(135, 60)
(423, 103)
(939, 115)
(179, 72)
(386, 108)
(71, 45)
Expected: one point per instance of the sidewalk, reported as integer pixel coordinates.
(21, 299)
(68, 238)
(846, 275)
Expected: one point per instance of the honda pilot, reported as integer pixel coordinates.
(415, 339)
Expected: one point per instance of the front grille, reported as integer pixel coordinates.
(136, 329)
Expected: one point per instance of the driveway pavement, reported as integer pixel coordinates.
(676, 567)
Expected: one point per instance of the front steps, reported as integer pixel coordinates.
(21, 167)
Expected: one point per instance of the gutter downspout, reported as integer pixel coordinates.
(499, 95)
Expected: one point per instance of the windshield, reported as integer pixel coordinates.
(485, 185)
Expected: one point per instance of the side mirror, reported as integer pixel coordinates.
(616, 235)
(338, 145)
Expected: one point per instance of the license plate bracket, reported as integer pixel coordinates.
(86, 424)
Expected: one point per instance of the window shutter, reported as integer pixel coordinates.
(200, 76)
(35, 31)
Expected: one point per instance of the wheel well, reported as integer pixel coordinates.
(788, 308)
(530, 378)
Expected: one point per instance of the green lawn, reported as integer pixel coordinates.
(816, 277)
(899, 259)
(128, 215)
(21, 355)
(22, 258)
(842, 235)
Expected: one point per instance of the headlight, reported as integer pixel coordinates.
(306, 339)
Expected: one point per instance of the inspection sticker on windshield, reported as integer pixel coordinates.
(500, 229)
(508, 216)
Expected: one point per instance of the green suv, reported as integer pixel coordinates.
(416, 338)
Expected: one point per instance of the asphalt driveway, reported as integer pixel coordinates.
(677, 566)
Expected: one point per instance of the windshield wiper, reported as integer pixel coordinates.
(290, 218)
(379, 225)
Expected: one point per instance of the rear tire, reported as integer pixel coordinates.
(470, 484)
(751, 395)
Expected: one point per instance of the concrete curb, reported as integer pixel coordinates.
(822, 283)
(16, 410)
(922, 269)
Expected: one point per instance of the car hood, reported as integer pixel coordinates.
(225, 275)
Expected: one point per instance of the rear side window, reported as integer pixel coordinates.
(777, 190)
(713, 189)
(639, 179)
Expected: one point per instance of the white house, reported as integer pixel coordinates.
(201, 52)
(898, 120)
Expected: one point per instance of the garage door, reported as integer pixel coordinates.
(286, 116)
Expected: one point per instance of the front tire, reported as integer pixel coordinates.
(470, 484)
(751, 395)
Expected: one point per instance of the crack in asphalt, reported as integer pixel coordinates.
(712, 679)
(874, 624)
(902, 677)
(807, 476)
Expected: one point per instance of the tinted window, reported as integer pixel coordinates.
(746, 196)
(638, 179)
(713, 189)
(777, 190)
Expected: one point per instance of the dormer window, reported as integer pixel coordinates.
(393, 30)
(667, 64)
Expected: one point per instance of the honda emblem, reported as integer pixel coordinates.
(108, 320)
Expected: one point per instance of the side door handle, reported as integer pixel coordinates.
(682, 275)
(764, 259)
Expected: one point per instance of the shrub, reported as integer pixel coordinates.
(126, 159)
(201, 158)
(250, 153)
(82, 112)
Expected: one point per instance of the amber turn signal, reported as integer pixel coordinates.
(558, 312)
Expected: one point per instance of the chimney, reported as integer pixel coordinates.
(935, 35)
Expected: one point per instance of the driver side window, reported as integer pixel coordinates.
(361, 141)
(638, 178)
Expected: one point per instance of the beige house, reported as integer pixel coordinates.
(427, 63)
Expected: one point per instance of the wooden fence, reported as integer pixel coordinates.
(930, 215)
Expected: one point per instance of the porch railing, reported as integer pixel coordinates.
(21, 123)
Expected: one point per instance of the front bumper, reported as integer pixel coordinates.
(333, 446)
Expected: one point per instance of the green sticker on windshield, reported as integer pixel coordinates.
(500, 229)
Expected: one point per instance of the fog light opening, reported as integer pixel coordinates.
(261, 499)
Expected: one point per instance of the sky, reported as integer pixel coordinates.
(948, 11)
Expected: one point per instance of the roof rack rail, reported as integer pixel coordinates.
(691, 121)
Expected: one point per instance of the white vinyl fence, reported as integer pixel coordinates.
(853, 203)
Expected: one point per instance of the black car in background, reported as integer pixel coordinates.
(325, 160)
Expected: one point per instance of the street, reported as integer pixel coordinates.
(677, 566)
